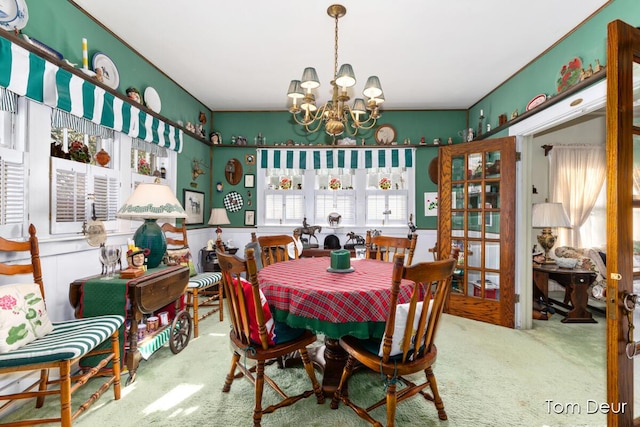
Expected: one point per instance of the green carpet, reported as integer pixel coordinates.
(487, 375)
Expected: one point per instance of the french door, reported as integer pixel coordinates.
(477, 215)
(623, 205)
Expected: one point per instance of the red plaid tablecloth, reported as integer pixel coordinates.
(304, 288)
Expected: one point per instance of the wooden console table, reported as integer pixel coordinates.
(577, 283)
(133, 298)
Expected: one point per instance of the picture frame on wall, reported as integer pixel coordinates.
(193, 202)
(249, 218)
(249, 181)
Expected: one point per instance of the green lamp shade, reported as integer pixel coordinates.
(150, 236)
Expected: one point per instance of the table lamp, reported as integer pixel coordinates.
(545, 216)
(219, 217)
(150, 202)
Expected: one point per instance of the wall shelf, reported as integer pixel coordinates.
(13, 38)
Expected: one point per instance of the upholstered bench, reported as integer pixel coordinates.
(68, 340)
(209, 285)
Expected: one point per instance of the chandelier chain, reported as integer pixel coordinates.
(335, 54)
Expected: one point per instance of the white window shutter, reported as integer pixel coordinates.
(106, 187)
(12, 193)
(274, 208)
(68, 195)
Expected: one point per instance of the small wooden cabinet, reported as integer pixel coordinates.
(209, 260)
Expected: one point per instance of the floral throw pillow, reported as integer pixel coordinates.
(23, 316)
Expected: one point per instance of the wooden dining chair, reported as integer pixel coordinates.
(276, 248)
(385, 247)
(251, 335)
(32, 343)
(204, 289)
(408, 343)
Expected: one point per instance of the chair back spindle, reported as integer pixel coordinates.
(384, 248)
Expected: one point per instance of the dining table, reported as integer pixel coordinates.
(307, 293)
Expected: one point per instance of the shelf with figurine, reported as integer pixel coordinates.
(58, 60)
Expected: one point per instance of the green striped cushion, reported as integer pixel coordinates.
(204, 280)
(70, 339)
(148, 348)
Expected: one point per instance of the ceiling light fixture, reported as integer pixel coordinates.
(335, 114)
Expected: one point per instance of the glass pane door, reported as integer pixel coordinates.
(473, 178)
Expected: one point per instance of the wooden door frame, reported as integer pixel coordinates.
(588, 100)
(623, 41)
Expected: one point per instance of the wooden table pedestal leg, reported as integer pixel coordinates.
(335, 358)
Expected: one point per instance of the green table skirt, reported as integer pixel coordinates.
(361, 330)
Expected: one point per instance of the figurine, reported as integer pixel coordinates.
(134, 94)
(450, 141)
(137, 258)
(470, 135)
(422, 141)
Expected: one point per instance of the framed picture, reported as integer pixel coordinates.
(249, 181)
(194, 206)
(250, 218)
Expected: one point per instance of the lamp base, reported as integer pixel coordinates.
(150, 236)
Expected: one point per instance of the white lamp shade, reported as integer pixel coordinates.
(219, 217)
(152, 201)
(547, 215)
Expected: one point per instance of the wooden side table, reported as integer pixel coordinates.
(577, 283)
(133, 298)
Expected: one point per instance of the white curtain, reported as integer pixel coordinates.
(576, 175)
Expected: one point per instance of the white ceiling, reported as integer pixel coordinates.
(429, 54)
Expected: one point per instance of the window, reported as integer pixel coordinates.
(366, 187)
(72, 186)
(284, 197)
(78, 184)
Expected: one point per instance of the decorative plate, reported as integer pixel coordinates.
(537, 100)
(152, 99)
(43, 47)
(110, 75)
(13, 14)
(233, 201)
(335, 184)
(569, 74)
(385, 134)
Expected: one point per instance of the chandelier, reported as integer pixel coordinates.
(336, 115)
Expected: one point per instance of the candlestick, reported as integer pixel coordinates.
(85, 54)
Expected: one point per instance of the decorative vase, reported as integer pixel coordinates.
(103, 158)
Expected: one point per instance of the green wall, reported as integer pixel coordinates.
(59, 24)
(588, 42)
(278, 127)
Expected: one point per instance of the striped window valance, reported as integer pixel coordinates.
(27, 74)
(148, 147)
(62, 119)
(8, 100)
(335, 158)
